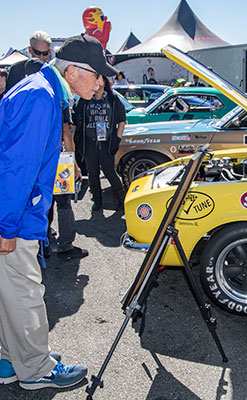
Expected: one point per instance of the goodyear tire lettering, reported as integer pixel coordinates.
(225, 288)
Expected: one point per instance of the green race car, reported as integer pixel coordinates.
(183, 104)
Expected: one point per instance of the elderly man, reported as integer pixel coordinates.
(30, 141)
(40, 50)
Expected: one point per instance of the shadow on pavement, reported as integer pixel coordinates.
(64, 288)
(172, 389)
(173, 326)
(101, 227)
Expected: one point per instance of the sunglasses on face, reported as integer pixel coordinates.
(89, 70)
(40, 53)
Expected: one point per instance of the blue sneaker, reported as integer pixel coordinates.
(7, 372)
(61, 376)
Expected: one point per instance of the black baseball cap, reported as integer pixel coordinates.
(86, 49)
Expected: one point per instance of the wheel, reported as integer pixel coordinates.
(224, 269)
(140, 162)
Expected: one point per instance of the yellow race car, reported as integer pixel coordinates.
(212, 222)
(212, 219)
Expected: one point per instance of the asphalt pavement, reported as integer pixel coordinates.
(175, 358)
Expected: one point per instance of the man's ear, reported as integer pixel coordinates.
(30, 50)
(71, 73)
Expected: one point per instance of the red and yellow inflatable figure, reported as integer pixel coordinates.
(96, 24)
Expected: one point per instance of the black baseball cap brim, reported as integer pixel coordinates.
(86, 50)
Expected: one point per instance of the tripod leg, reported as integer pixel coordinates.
(96, 380)
(204, 307)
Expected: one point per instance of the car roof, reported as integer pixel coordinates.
(196, 90)
(141, 86)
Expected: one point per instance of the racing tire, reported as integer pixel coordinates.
(138, 163)
(223, 270)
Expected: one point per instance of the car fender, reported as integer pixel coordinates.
(121, 156)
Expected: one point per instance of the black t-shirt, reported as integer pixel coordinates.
(98, 111)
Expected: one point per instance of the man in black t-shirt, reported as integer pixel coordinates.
(99, 126)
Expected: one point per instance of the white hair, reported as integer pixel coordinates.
(62, 65)
(39, 36)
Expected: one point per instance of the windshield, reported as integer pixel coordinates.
(125, 102)
(229, 117)
(157, 101)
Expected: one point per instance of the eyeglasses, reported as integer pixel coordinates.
(89, 70)
(40, 53)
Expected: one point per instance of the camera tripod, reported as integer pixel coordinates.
(134, 298)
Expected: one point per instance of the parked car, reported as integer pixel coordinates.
(127, 105)
(144, 146)
(141, 95)
(183, 104)
(212, 219)
(211, 222)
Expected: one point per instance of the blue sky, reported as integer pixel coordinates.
(19, 19)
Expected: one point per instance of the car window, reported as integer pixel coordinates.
(128, 106)
(140, 96)
(196, 103)
(226, 120)
(239, 121)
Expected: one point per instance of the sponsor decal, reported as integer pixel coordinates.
(173, 149)
(186, 148)
(182, 138)
(243, 200)
(196, 205)
(144, 212)
(142, 141)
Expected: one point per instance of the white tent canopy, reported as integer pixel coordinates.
(11, 59)
(183, 30)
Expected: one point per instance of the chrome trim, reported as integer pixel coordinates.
(129, 244)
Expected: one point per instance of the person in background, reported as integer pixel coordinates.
(3, 78)
(151, 76)
(30, 143)
(39, 47)
(196, 82)
(179, 83)
(121, 79)
(99, 124)
(66, 219)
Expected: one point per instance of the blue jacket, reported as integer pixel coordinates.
(30, 143)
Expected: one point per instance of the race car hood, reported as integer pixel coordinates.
(170, 127)
(206, 74)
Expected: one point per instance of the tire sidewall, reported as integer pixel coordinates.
(130, 161)
(208, 275)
